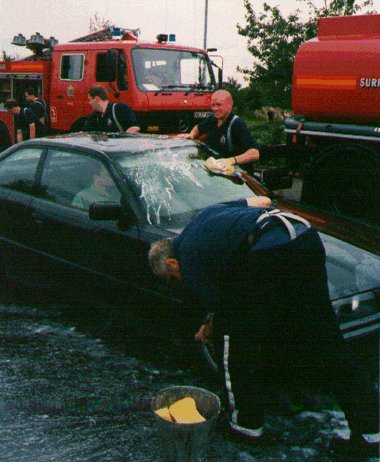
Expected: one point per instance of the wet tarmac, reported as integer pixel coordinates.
(76, 381)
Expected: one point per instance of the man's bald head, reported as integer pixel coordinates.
(222, 95)
(221, 104)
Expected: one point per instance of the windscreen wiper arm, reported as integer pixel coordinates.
(175, 86)
(169, 87)
(190, 88)
(198, 87)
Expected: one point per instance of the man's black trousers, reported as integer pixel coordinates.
(281, 325)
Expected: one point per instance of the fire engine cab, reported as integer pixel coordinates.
(168, 86)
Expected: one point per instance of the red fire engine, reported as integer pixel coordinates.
(167, 85)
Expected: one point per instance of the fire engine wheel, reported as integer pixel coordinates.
(345, 179)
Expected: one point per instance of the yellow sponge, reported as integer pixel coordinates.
(164, 413)
(182, 411)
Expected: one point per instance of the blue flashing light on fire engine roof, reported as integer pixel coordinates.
(165, 38)
(116, 33)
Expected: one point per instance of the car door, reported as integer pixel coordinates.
(18, 172)
(74, 250)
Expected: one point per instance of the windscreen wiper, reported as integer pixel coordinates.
(175, 86)
(190, 88)
(169, 87)
(198, 87)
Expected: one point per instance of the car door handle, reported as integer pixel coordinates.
(37, 218)
(59, 96)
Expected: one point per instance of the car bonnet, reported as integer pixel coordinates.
(350, 269)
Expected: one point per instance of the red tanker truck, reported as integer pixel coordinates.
(333, 139)
(167, 85)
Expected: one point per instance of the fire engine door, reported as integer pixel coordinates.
(69, 102)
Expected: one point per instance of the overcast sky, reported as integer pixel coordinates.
(69, 19)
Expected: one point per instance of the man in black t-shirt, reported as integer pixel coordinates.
(24, 120)
(39, 110)
(226, 133)
(107, 116)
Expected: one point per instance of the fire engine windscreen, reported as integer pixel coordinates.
(176, 70)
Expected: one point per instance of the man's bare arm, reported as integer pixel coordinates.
(193, 135)
(258, 201)
(134, 129)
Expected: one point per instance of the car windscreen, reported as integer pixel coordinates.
(173, 184)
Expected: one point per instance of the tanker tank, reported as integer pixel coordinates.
(336, 76)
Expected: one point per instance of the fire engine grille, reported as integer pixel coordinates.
(165, 122)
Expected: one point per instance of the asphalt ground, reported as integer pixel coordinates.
(76, 384)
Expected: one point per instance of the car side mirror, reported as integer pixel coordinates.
(220, 77)
(102, 211)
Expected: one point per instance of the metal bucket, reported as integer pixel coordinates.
(186, 442)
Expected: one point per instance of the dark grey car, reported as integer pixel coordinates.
(152, 187)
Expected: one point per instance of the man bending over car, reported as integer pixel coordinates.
(260, 272)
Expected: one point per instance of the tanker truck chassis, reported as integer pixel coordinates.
(339, 165)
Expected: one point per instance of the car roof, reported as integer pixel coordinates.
(113, 142)
(358, 234)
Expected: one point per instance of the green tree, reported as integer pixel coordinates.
(233, 86)
(246, 99)
(99, 23)
(7, 57)
(273, 40)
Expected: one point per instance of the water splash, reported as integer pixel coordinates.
(164, 179)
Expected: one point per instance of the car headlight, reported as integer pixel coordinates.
(358, 314)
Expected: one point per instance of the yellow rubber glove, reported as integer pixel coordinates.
(211, 163)
(226, 165)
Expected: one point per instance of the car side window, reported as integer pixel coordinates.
(71, 179)
(18, 170)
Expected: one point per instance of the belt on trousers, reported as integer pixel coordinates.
(274, 218)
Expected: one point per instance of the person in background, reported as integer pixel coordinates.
(24, 120)
(107, 116)
(39, 109)
(226, 133)
(260, 274)
(5, 139)
(101, 188)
